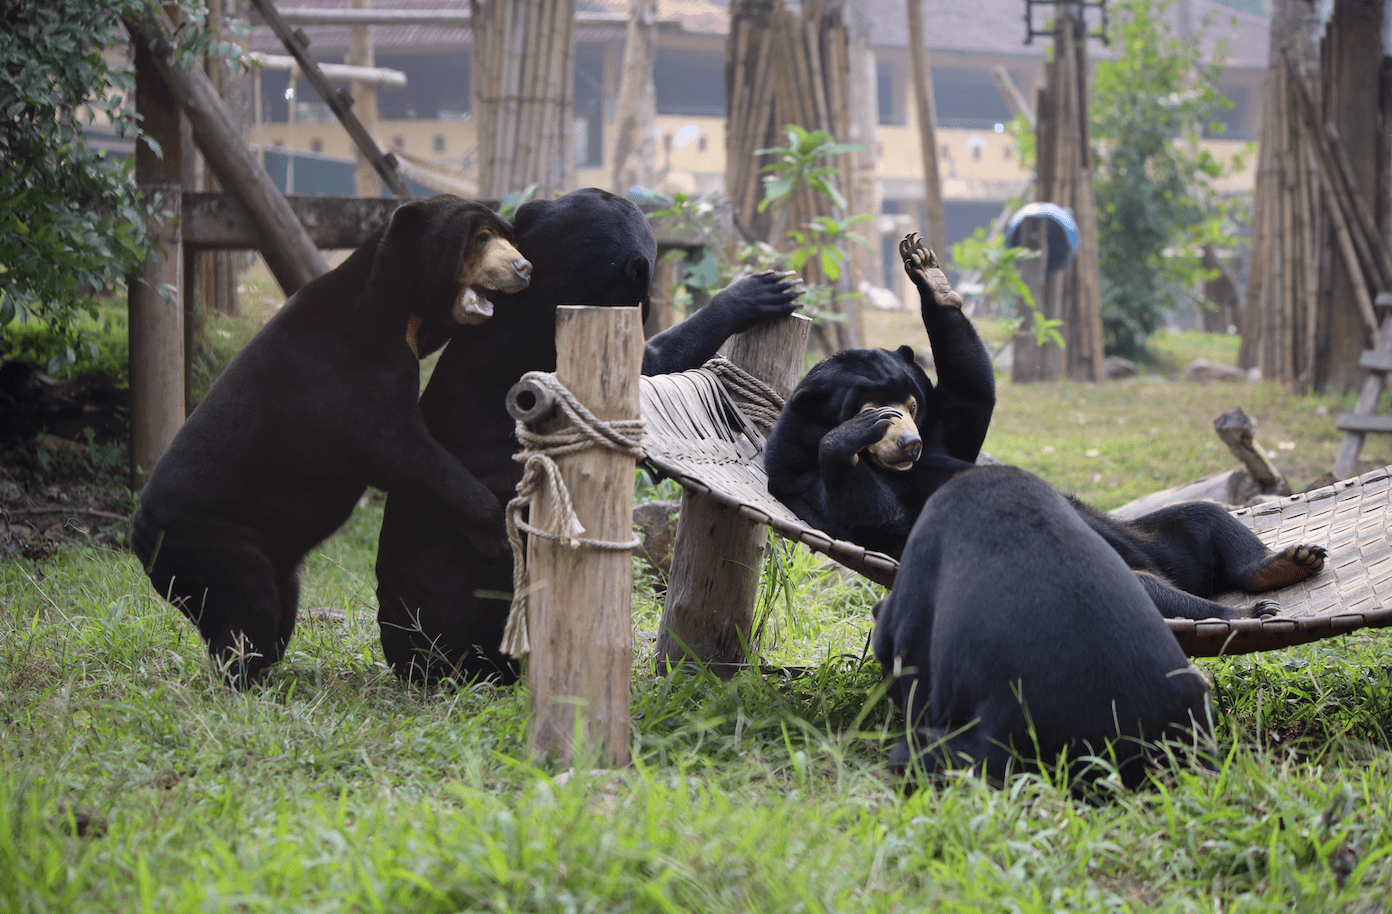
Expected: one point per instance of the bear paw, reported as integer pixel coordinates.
(922, 266)
(1289, 566)
(844, 443)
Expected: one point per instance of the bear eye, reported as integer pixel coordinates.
(483, 238)
(913, 406)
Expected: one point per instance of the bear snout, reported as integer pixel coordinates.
(522, 269)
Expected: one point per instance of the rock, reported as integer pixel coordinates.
(1115, 368)
(1203, 371)
(658, 522)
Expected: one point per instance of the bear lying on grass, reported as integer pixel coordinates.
(320, 404)
(866, 438)
(1016, 637)
(442, 601)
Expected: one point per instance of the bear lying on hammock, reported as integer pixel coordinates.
(866, 438)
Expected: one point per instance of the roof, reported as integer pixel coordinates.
(984, 26)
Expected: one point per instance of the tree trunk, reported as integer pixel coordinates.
(935, 231)
(1352, 52)
(635, 147)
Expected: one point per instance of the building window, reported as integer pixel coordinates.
(316, 145)
(689, 82)
(890, 92)
(399, 142)
(701, 144)
(968, 98)
(438, 86)
(438, 144)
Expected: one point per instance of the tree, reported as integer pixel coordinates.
(1157, 206)
(71, 223)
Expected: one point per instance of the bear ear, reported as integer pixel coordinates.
(638, 271)
(907, 354)
(809, 400)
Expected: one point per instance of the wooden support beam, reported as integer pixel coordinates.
(579, 615)
(292, 257)
(711, 590)
(378, 76)
(460, 19)
(1014, 99)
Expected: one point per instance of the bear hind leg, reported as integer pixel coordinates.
(1282, 569)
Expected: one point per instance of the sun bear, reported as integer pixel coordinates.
(1015, 636)
(865, 439)
(319, 405)
(442, 601)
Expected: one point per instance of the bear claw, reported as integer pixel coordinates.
(922, 266)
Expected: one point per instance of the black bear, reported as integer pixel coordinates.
(866, 437)
(1015, 636)
(442, 602)
(320, 404)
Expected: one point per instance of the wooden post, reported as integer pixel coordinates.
(711, 590)
(366, 181)
(156, 360)
(155, 323)
(935, 231)
(579, 616)
(1028, 364)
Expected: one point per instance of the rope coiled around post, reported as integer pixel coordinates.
(537, 457)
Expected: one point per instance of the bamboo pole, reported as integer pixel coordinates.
(922, 73)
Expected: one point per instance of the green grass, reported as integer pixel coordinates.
(336, 788)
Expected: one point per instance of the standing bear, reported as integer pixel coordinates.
(443, 601)
(319, 405)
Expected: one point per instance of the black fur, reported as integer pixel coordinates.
(1015, 635)
(442, 604)
(812, 457)
(319, 405)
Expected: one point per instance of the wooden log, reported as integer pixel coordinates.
(579, 616)
(156, 319)
(711, 591)
(377, 76)
(1346, 462)
(1236, 430)
(292, 257)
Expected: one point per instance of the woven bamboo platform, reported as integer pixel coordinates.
(698, 435)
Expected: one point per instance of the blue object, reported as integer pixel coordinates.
(1062, 232)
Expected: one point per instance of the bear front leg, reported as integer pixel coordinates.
(965, 393)
(745, 303)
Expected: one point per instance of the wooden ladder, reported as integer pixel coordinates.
(1365, 419)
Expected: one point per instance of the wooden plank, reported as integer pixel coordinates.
(219, 222)
(1366, 424)
(1375, 360)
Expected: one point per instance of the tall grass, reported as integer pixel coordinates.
(130, 779)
